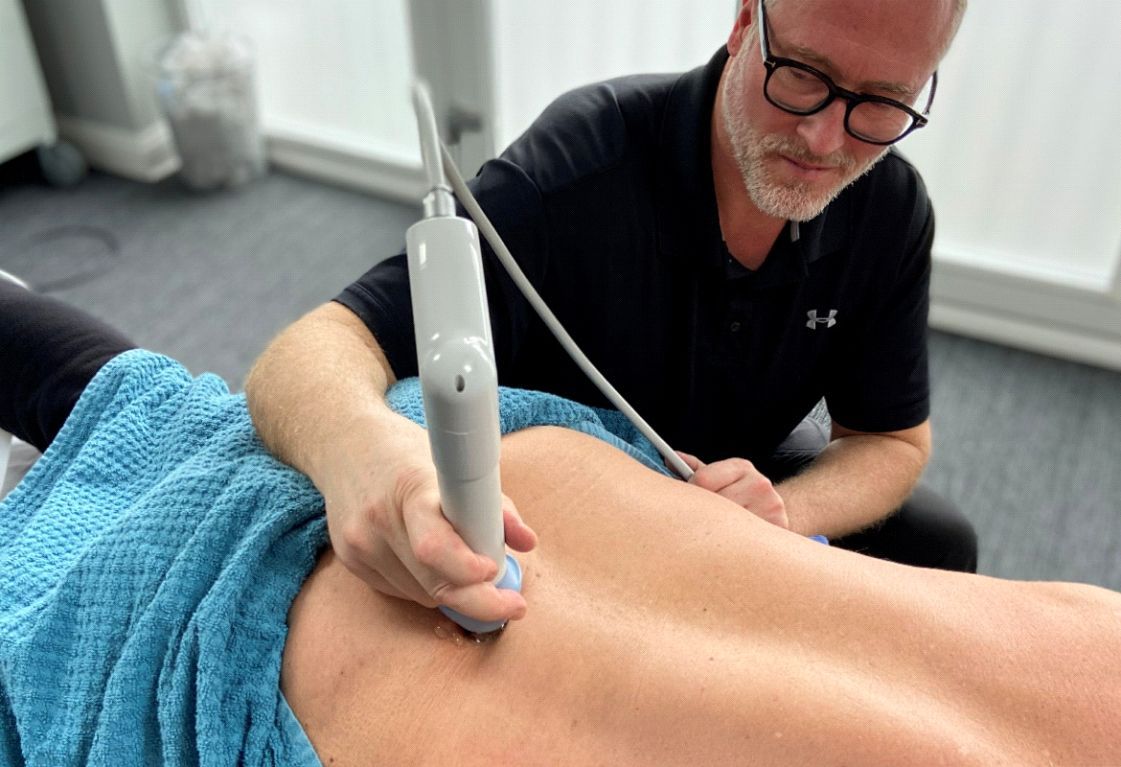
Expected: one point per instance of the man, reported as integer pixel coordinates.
(726, 246)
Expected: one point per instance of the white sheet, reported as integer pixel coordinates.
(20, 460)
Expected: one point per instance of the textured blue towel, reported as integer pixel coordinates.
(149, 560)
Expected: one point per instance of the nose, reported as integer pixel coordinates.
(824, 132)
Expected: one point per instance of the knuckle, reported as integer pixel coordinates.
(410, 481)
(762, 484)
(429, 549)
(414, 488)
(376, 517)
(355, 542)
(710, 482)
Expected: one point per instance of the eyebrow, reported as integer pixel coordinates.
(812, 57)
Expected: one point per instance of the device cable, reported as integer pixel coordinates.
(459, 186)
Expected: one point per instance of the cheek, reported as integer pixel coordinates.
(774, 121)
(746, 81)
(863, 154)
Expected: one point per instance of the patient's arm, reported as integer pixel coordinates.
(668, 626)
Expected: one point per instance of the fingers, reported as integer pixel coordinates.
(440, 555)
(775, 514)
(692, 461)
(519, 536)
(734, 478)
(367, 553)
(451, 574)
(405, 548)
(739, 481)
(482, 601)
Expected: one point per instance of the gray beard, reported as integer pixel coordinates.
(793, 201)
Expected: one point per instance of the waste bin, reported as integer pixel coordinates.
(205, 88)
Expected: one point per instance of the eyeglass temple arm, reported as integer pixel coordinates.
(933, 90)
(762, 30)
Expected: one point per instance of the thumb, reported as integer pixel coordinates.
(519, 535)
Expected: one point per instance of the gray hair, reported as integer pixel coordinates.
(955, 20)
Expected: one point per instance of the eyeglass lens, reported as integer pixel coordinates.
(802, 92)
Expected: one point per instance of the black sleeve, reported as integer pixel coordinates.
(884, 381)
(380, 298)
(49, 352)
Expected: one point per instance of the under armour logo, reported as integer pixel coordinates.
(814, 320)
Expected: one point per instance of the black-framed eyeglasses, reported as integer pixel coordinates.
(800, 89)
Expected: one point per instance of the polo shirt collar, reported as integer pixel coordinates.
(689, 225)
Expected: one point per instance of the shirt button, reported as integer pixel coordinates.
(734, 327)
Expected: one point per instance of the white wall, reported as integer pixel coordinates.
(542, 49)
(336, 69)
(333, 82)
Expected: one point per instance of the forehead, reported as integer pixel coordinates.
(863, 42)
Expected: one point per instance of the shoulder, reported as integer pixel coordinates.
(895, 188)
(888, 209)
(591, 130)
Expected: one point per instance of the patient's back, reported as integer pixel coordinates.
(668, 625)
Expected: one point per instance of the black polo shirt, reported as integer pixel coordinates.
(607, 202)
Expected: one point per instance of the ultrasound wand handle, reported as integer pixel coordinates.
(458, 378)
(458, 374)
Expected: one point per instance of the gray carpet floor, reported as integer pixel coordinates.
(1025, 444)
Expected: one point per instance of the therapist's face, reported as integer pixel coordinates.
(793, 166)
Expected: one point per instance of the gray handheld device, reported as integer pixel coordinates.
(458, 375)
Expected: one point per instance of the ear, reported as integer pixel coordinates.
(740, 30)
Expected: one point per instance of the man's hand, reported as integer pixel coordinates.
(738, 480)
(317, 397)
(387, 527)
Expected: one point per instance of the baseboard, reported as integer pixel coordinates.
(147, 154)
(335, 162)
(1075, 323)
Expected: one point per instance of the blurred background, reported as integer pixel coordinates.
(106, 203)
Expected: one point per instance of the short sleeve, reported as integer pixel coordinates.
(381, 298)
(884, 384)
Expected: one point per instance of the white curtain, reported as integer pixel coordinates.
(1022, 156)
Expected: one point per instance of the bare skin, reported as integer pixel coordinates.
(669, 627)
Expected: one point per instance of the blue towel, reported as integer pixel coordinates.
(149, 560)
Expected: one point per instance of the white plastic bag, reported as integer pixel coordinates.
(205, 87)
